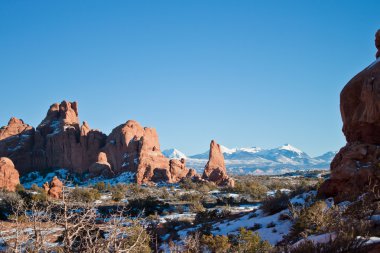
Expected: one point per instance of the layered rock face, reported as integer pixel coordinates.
(356, 166)
(215, 170)
(9, 176)
(61, 142)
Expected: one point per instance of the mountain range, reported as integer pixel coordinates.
(258, 161)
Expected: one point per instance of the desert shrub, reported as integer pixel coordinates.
(41, 196)
(20, 188)
(117, 195)
(148, 206)
(190, 197)
(248, 241)
(188, 184)
(312, 220)
(363, 207)
(7, 202)
(172, 225)
(137, 241)
(135, 189)
(284, 216)
(347, 242)
(100, 186)
(278, 184)
(164, 193)
(211, 215)
(35, 187)
(197, 207)
(38, 194)
(216, 244)
(276, 203)
(301, 187)
(253, 188)
(255, 227)
(319, 219)
(204, 189)
(84, 195)
(192, 244)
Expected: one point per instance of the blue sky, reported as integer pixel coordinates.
(246, 73)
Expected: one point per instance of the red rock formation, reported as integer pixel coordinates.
(130, 147)
(55, 188)
(16, 142)
(9, 177)
(101, 167)
(60, 142)
(179, 171)
(215, 170)
(357, 164)
(123, 146)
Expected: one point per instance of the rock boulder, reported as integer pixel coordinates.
(9, 176)
(55, 188)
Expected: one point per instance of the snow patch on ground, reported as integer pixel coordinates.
(37, 178)
(64, 175)
(268, 232)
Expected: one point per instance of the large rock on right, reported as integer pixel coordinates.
(356, 167)
(215, 170)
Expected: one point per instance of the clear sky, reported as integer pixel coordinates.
(246, 73)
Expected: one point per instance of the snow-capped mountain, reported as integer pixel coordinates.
(328, 156)
(255, 160)
(173, 154)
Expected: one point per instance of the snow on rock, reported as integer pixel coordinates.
(272, 193)
(315, 239)
(302, 198)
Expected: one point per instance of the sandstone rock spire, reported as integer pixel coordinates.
(215, 170)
